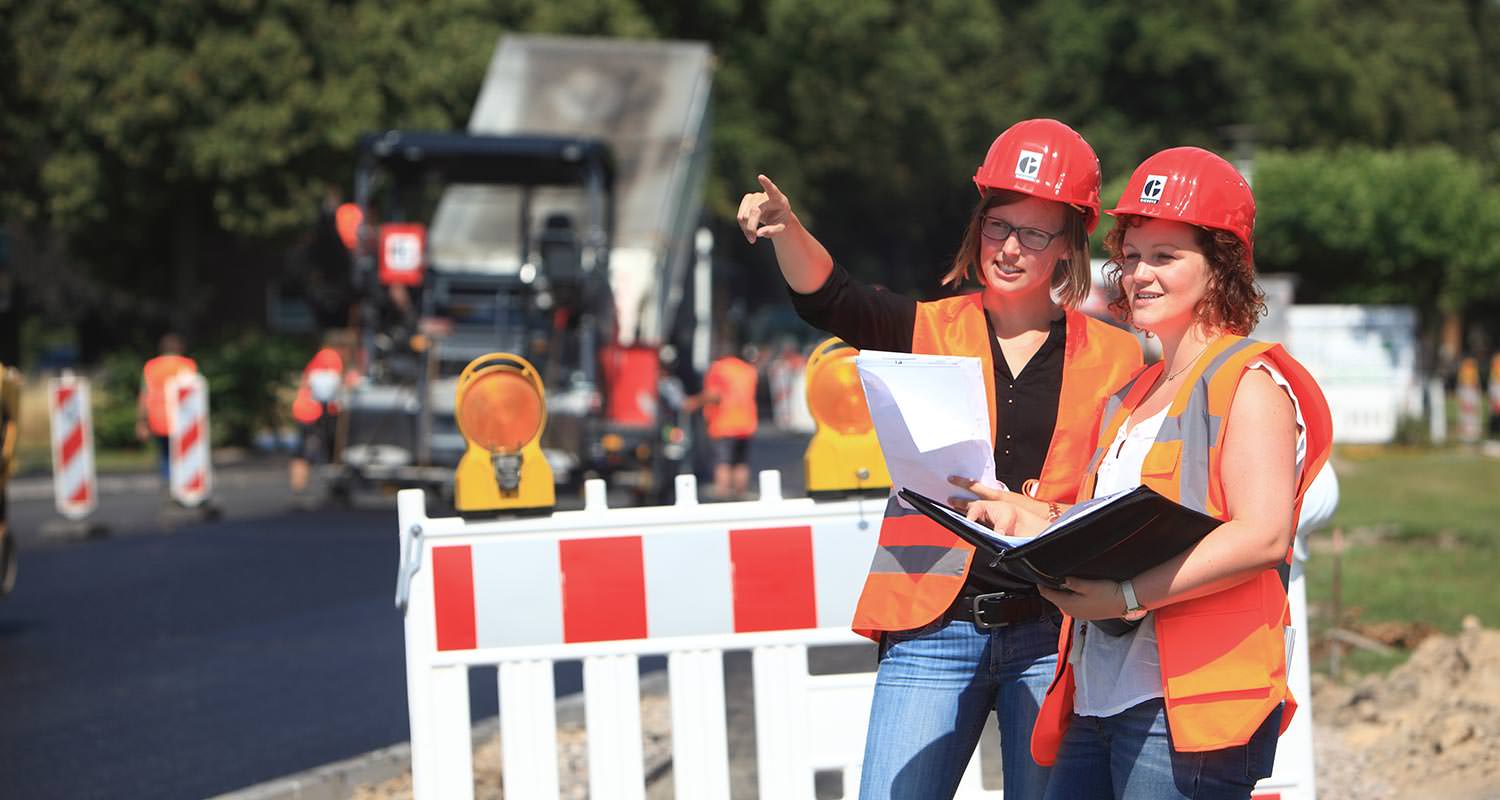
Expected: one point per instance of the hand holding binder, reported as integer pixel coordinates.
(1113, 538)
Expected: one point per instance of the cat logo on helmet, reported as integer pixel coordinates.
(1151, 189)
(1028, 165)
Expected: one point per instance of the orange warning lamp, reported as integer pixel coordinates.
(844, 454)
(501, 409)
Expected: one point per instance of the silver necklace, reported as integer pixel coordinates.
(1185, 367)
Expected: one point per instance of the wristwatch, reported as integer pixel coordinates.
(1133, 608)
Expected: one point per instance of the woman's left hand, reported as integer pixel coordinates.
(1085, 598)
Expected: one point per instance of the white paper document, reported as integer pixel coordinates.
(932, 418)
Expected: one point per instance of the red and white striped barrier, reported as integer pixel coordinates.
(606, 586)
(74, 486)
(188, 463)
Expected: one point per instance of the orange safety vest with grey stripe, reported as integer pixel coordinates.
(919, 567)
(1223, 655)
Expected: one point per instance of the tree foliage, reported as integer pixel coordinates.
(158, 141)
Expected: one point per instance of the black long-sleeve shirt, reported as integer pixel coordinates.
(870, 318)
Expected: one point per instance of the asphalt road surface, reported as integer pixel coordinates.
(181, 658)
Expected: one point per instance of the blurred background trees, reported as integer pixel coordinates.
(161, 162)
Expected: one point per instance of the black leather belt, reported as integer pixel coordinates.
(999, 609)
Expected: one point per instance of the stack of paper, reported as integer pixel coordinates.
(932, 417)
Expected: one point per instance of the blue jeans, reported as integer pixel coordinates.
(1129, 756)
(935, 687)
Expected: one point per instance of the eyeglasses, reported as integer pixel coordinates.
(998, 230)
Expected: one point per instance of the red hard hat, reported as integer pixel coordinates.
(1192, 185)
(1044, 158)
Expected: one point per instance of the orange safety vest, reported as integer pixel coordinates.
(1223, 656)
(733, 382)
(155, 375)
(919, 566)
(306, 409)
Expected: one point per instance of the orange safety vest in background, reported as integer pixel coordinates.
(919, 566)
(155, 375)
(733, 382)
(306, 409)
(1223, 656)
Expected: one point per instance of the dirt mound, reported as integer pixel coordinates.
(1431, 728)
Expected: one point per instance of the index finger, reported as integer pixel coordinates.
(775, 193)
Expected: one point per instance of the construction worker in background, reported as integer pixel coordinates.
(785, 374)
(728, 403)
(10, 413)
(316, 410)
(151, 405)
(1494, 393)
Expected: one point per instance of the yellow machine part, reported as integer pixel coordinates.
(10, 416)
(844, 454)
(501, 407)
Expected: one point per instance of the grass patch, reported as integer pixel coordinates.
(1434, 580)
(1421, 544)
(37, 460)
(1417, 491)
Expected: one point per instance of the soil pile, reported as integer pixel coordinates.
(1431, 728)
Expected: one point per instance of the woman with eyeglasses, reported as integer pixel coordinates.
(1190, 701)
(956, 644)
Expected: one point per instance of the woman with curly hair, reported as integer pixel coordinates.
(1188, 702)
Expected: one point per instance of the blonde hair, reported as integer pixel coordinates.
(1071, 278)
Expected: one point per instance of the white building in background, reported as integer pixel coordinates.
(1365, 359)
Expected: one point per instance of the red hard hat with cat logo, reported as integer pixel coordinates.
(1045, 159)
(1191, 185)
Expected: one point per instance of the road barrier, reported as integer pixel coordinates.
(74, 486)
(605, 586)
(188, 464)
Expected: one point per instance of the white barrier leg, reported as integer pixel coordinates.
(1294, 753)
(528, 729)
(442, 762)
(612, 712)
(700, 742)
(781, 722)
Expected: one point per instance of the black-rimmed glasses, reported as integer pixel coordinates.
(998, 230)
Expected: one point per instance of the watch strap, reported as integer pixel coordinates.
(1131, 603)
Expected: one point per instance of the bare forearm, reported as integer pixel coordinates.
(804, 262)
(1234, 552)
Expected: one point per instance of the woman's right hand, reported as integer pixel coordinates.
(997, 514)
(1006, 518)
(764, 213)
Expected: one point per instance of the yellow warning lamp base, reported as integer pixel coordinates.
(501, 409)
(845, 463)
(10, 416)
(844, 455)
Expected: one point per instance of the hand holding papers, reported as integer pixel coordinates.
(931, 416)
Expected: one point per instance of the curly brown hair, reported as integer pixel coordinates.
(1070, 276)
(1234, 301)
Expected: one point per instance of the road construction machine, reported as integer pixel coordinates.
(559, 227)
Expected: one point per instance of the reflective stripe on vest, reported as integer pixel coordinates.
(1222, 656)
(919, 567)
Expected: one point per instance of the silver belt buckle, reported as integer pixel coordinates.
(979, 616)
